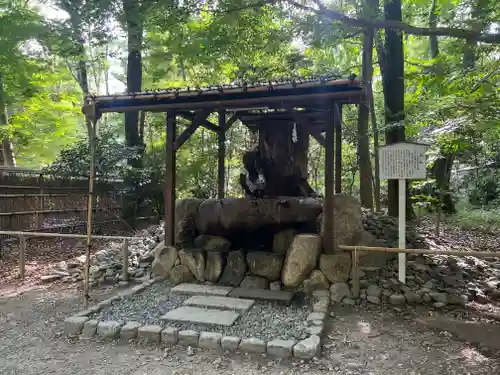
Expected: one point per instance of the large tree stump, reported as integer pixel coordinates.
(281, 159)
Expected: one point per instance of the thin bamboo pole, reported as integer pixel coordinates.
(65, 235)
(479, 254)
(58, 211)
(22, 256)
(90, 211)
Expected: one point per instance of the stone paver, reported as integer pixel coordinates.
(200, 315)
(149, 333)
(74, 325)
(280, 348)
(253, 345)
(210, 340)
(315, 316)
(129, 331)
(89, 329)
(308, 348)
(224, 303)
(262, 294)
(109, 329)
(170, 335)
(213, 290)
(230, 342)
(188, 337)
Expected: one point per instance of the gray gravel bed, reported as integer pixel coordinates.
(264, 320)
(146, 307)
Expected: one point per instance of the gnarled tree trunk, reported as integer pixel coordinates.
(282, 157)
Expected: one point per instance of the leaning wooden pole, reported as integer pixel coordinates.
(92, 140)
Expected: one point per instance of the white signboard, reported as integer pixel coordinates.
(403, 160)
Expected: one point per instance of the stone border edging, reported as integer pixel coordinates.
(81, 325)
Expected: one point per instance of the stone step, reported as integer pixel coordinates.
(192, 314)
(211, 290)
(263, 294)
(217, 302)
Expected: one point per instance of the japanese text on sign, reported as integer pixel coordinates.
(402, 161)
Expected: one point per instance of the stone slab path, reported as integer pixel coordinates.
(262, 294)
(222, 303)
(191, 314)
(213, 290)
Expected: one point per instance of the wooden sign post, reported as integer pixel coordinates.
(402, 161)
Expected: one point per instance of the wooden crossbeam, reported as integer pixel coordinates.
(189, 131)
(230, 122)
(205, 123)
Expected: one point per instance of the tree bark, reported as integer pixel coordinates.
(477, 24)
(433, 19)
(134, 75)
(365, 166)
(282, 159)
(8, 157)
(442, 173)
(394, 91)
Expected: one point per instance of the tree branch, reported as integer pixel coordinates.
(378, 24)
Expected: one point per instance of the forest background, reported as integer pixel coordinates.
(431, 68)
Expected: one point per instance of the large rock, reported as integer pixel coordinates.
(212, 243)
(339, 291)
(254, 282)
(195, 261)
(165, 257)
(235, 269)
(316, 281)
(185, 217)
(180, 274)
(336, 267)
(347, 221)
(215, 216)
(301, 259)
(282, 240)
(265, 264)
(213, 266)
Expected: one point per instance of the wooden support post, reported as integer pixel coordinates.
(338, 147)
(22, 257)
(41, 204)
(170, 179)
(221, 155)
(328, 208)
(125, 260)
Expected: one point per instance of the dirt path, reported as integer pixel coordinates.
(357, 342)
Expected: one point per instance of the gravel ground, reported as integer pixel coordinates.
(264, 320)
(368, 342)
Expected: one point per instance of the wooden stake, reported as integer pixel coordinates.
(86, 282)
(22, 257)
(355, 274)
(125, 261)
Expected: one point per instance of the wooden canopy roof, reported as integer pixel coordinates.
(312, 94)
